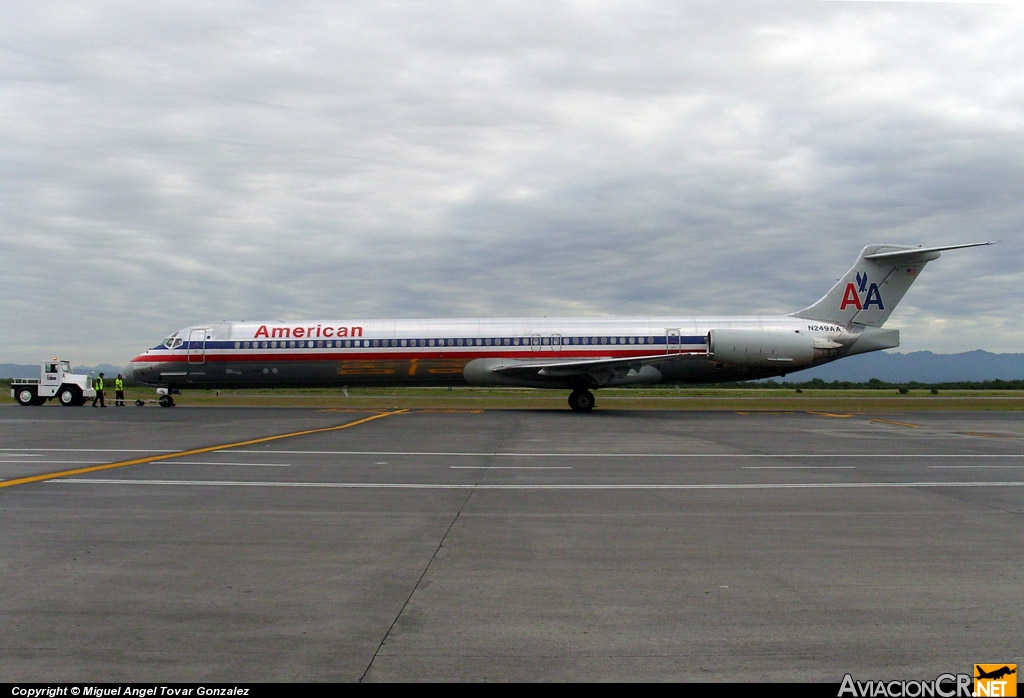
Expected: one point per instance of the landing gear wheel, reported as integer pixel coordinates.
(166, 401)
(26, 397)
(69, 397)
(582, 401)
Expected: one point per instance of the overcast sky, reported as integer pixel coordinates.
(167, 164)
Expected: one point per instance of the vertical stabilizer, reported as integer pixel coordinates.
(870, 291)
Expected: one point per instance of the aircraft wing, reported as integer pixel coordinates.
(598, 371)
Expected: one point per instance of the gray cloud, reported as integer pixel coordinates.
(174, 164)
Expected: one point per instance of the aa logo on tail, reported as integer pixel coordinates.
(862, 295)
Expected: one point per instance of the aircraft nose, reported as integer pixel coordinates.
(128, 372)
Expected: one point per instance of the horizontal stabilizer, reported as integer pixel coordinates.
(923, 252)
(872, 288)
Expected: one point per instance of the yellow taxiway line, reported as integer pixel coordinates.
(899, 424)
(192, 452)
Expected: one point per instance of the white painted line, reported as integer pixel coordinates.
(485, 454)
(200, 462)
(798, 467)
(970, 467)
(452, 486)
(58, 462)
(510, 467)
(97, 450)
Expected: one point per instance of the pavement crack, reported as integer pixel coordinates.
(419, 581)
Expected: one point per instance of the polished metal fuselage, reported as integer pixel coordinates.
(443, 352)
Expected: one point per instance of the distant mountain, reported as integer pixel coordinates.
(920, 366)
(32, 370)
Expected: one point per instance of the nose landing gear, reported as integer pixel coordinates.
(165, 399)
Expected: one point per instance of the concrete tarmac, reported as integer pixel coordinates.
(507, 545)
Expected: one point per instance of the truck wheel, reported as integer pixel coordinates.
(68, 397)
(39, 401)
(26, 396)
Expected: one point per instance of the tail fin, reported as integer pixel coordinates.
(871, 289)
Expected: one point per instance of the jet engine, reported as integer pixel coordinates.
(761, 348)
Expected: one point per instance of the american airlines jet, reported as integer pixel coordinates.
(576, 354)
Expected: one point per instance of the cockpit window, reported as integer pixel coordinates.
(173, 342)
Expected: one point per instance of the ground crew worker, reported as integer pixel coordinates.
(98, 385)
(119, 391)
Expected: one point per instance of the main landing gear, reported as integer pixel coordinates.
(582, 401)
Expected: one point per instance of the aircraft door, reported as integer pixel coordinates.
(51, 374)
(197, 346)
(673, 341)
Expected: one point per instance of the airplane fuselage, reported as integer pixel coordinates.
(466, 351)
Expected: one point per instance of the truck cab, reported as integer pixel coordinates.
(56, 380)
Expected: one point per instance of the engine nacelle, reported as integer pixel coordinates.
(785, 350)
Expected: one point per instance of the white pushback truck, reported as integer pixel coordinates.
(55, 381)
